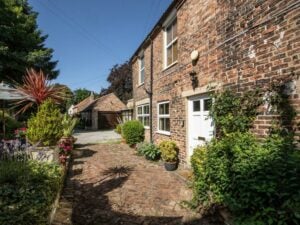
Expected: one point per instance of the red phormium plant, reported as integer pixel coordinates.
(37, 88)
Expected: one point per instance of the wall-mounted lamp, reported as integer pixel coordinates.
(194, 79)
(193, 74)
(194, 57)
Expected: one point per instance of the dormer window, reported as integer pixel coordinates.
(141, 70)
(171, 46)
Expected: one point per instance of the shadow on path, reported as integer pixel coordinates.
(92, 206)
(101, 191)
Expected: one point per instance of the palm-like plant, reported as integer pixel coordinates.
(68, 124)
(37, 88)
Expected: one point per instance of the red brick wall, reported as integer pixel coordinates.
(242, 44)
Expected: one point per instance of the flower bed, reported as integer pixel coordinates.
(27, 191)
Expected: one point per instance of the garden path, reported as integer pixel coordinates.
(109, 184)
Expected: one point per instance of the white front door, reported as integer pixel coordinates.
(200, 125)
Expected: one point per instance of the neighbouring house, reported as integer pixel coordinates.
(199, 46)
(104, 112)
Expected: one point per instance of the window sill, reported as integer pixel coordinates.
(167, 133)
(169, 66)
(141, 84)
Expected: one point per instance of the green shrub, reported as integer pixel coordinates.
(257, 181)
(169, 151)
(68, 125)
(27, 191)
(118, 129)
(149, 150)
(46, 125)
(10, 126)
(133, 132)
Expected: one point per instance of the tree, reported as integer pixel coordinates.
(80, 94)
(69, 97)
(22, 43)
(37, 88)
(120, 79)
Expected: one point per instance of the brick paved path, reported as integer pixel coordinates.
(110, 184)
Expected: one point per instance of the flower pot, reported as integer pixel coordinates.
(226, 215)
(171, 166)
(133, 146)
(67, 140)
(45, 154)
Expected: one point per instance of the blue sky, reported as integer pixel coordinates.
(89, 37)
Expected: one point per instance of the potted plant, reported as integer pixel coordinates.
(68, 125)
(169, 154)
(149, 150)
(20, 134)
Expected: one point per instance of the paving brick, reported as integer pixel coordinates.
(116, 186)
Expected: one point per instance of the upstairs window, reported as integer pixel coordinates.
(143, 115)
(141, 70)
(171, 46)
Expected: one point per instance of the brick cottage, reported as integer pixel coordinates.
(199, 44)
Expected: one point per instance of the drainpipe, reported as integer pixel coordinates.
(151, 92)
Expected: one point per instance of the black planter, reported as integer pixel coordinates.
(171, 166)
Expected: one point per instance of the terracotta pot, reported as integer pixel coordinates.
(171, 166)
(67, 139)
(226, 215)
(133, 146)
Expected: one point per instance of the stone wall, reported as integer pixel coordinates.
(242, 44)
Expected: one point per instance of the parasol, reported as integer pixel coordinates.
(8, 93)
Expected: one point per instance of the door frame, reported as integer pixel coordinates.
(188, 101)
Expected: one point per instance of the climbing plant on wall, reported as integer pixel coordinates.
(256, 180)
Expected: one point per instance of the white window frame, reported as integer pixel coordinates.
(141, 58)
(143, 115)
(169, 22)
(163, 116)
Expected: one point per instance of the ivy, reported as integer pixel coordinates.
(233, 112)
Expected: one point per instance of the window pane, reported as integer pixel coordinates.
(146, 109)
(174, 29)
(146, 121)
(169, 34)
(169, 55)
(207, 104)
(142, 78)
(140, 119)
(166, 108)
(140, 110)
(196, 106)
(142, 62)
(161, 109)
(161, 124)
(167, 124)
(175, 51)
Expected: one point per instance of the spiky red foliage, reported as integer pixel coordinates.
(37, 88)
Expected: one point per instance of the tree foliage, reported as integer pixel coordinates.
(120, 79)
(80, 94)
(46, 126)
(22, 43)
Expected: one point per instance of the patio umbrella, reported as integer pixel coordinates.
(8, 93)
